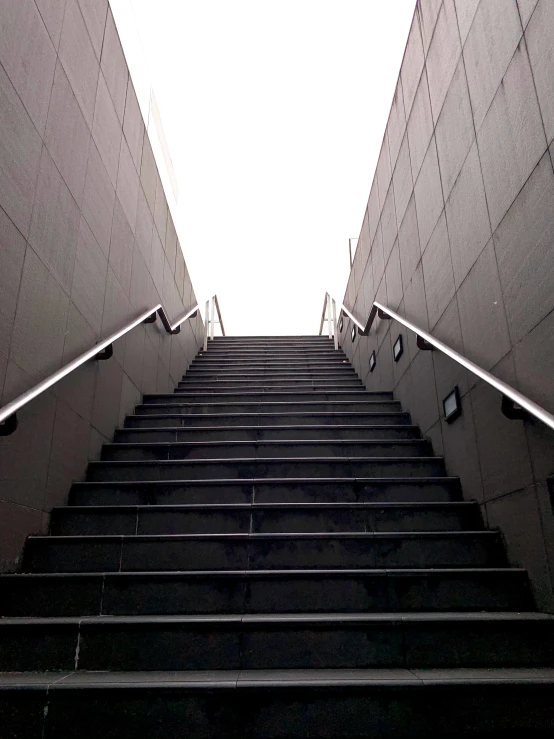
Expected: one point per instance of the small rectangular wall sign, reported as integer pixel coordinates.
(398, 348)
(452, 405)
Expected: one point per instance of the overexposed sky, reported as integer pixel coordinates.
(274, 113)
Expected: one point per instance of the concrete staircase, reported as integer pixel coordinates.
(271, 551)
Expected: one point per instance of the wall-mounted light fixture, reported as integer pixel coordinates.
(353, 333)
(452, 405)
(398, 348)
(341, 324)
(550, 483)
(372, 361)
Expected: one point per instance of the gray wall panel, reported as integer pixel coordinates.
(475, 245)
(79, 196)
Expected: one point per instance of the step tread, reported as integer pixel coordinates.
(294, 389)
(263, 442)
(284, 403)
(259, 537)
(233, 393)
(444, 479)
(449, 505)
(212, 679)
(440, 617)
(251, 388)
(303, 573)
(350, 414)
(273, 460)
(297, 427)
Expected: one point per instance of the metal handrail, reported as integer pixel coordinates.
(515, 405)
(330, 304)
(101, 351)
(212, 304)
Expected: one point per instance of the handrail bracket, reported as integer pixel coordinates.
(9, 425)
(424, 345)
(106, 353)
(512, 410)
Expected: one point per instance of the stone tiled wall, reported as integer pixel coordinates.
(458, 237)
(86, 243)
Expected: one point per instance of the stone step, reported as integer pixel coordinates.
(263, 351)
(273, 368)
(232, 340)
(263, 518)
(111, 553)
(264, 396)
(259, 704)
(324, 344)
(265, 433)
(353, 490)
(225, 450)
(271, 362)
(341, 372)
(270, 592)
(279, 641)
(270, 367)
(274, 467)
(174, 404)
(237, 346)
(324, 385)
(227, 420)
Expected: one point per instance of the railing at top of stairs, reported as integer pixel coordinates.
(515, 405)
(102, 351)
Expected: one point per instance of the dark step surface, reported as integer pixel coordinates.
(111, 553)
(277, 384)
(174, 404)
(295, 396)
(340, 373)
(270, 591)
(266, 433)
(276, 390)
(271, 358)
(293, 339)
(274, 366)
(224, 450)
(266, 419)
(269, 704)
(388, 490)
(297, 353)
(256, 642)
(322, 467)
(264, 518)
(270, 364)
(271, 551)
(222, 343)
(299, 395)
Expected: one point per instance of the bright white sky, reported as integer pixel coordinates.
(274, 112)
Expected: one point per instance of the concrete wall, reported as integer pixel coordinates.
(458, 236)
(86, 244)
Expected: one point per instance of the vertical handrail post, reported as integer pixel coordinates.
(323, 314)
(206, 324)
(329, 311)
(335, 333)
(212, 324)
